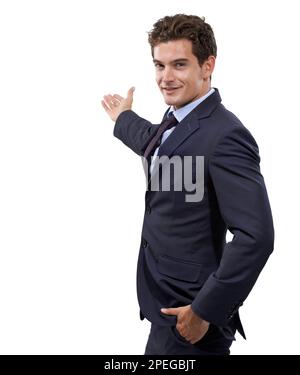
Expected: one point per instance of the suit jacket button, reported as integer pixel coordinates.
(144, 243)
(148, 210)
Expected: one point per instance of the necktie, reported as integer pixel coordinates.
(155, 141)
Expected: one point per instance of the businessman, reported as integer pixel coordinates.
(190, 282)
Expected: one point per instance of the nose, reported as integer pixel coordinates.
(168, 74)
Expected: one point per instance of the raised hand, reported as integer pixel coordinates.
(115, 104)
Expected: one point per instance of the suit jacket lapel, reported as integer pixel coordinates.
(186, 128)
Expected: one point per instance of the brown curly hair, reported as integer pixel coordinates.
(182, 26)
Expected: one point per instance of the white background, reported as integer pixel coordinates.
(72, 195)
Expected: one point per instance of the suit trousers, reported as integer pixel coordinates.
(166, 340)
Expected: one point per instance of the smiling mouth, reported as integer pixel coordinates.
(170, 89)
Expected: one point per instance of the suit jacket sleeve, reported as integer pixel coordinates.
(134, 131)
(244, 205)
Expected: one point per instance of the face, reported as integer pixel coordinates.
(179, 76)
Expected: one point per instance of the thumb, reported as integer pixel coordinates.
(170, 311)
(130, 93)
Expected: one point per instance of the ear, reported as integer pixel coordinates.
(208, 67)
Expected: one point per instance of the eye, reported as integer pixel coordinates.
(159, 66)
(180, 64)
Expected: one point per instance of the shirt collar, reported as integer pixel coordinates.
(182, 112)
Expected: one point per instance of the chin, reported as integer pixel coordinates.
(174, 102)
(169, 101)
(176, 105)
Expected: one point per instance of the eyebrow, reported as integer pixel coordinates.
(174, 61)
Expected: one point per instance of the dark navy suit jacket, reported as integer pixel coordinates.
(184, 258)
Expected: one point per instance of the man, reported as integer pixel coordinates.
(190, 282)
